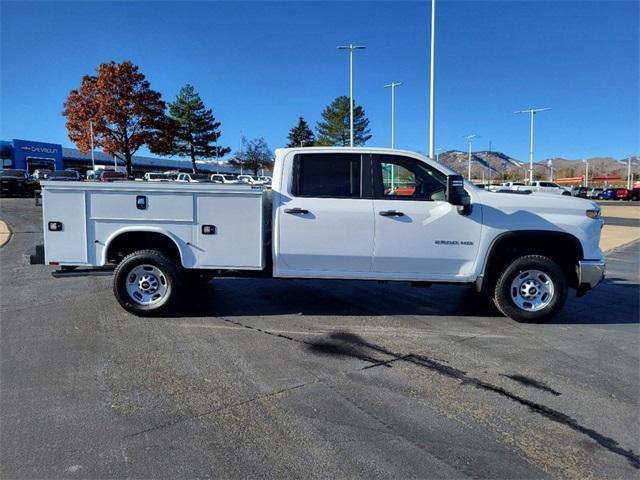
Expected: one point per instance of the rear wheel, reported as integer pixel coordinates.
(147, 282)
(532, 288)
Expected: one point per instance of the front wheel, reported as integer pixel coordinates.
(532, 288)
(147, 282)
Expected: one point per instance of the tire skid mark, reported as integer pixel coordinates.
(344, 343)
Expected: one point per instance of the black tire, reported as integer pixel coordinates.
(505, 298)
(566, 194)
(171, 278)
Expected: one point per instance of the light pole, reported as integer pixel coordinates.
(629, 177)
(586, 173)
(93, 160)
(432, 83)
(393, 86)
(531, 112)
(470, 141)
(438, 154)
(351, 48)
(550, 165)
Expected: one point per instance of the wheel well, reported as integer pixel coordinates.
(563, 248)
(129, 242)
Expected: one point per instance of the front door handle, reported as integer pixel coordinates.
(296, 211)
(391, 213)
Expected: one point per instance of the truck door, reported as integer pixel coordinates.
(324, 219)
(418, 234)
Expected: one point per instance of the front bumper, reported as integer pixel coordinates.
(590, 274)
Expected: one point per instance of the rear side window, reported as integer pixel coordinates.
(327, 175)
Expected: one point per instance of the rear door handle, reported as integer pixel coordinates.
(296, 211)
(391, 213)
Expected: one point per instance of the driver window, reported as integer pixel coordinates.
(403, 178)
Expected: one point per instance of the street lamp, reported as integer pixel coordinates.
(586, 172)
(438, 154)
(93, 160)
(351, 48)
(393, 86)
(432, 82)
(532, 112)
(470, 141)
(629, 176)
(550, 165)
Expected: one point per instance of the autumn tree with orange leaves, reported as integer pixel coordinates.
(124, 110)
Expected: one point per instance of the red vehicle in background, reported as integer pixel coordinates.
(626, 194)
(111, 176)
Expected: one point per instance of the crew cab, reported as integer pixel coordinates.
(541, 187)
(333, 213)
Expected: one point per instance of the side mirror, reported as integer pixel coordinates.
(457, 195)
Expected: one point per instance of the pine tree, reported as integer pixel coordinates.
(190, 130)
(301, 135)
(333, 129)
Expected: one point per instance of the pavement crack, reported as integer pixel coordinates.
(214, 411)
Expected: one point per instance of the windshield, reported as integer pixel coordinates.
(13, 173)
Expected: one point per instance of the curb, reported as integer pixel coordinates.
(5, 233)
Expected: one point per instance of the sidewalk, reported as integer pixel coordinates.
(614, 236)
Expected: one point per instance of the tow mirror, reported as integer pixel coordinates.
(457, 195)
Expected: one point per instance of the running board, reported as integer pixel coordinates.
(83, 272)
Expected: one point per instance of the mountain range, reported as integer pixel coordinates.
(497, 165)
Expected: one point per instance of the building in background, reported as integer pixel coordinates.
(31, 155)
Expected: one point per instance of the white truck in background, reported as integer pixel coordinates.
(536, 187)
(332, 213)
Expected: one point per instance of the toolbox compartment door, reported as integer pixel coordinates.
(67, 245)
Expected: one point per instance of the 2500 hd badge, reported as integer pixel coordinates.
(453, 242)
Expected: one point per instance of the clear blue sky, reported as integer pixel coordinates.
(260, 65)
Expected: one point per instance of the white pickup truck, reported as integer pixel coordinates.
(537, 187)
(333, 213)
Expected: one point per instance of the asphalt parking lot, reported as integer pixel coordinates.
(300, 379)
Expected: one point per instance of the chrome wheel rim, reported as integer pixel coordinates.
(532, 290)
(147, 285)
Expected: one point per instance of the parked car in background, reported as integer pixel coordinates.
(266, 179)
(155, 177)
(623, 194)
(546, 187)
(41, 173)
(64, 175)
(610, 194)
(111, 176)
(635, 194)
(223, 178)
(249, 179)
(16, 183)
(583, 192)
(193, 178)
(595, 193)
